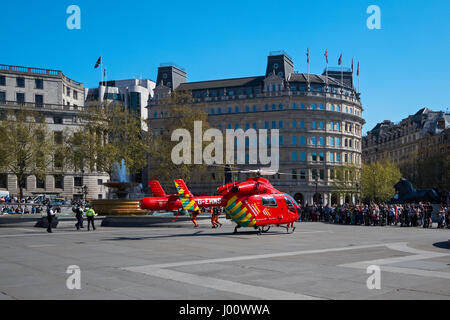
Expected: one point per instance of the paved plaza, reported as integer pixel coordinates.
(318, 261)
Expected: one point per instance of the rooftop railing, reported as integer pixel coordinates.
(38, 71)
(39, 106)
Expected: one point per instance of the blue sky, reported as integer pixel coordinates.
(404, 66)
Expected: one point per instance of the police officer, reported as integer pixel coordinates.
(50, 215)
(79, 216)
(90, 214)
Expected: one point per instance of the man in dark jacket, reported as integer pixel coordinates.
(79, 216)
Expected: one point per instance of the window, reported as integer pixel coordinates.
(294, 156)
(321, 174)
(59, 181)
(331, 125)
(274, 124)
(338, 108)
(212, 111)
(266, 124)
(254, 125)
(338, 126)
(230, 110)
(294, 124)
(302, 106)
(338, 157)
(78, 181)
(294, 174)
(302, 156)
(2, 96)
(20, 82)
(254, 109)
(321, 156)
(280, 124)
(39, 83)
(314, 106)
(302, 140)
(3, 180)
(314, 156)
(274, 107)
(219, 110)
(331, 156)
(75, 94)
(302, 124)
(338, 142)
(294, 140)
(302, 174)
(289, 203)
(321, 107)
(280, 106)
(321, 141)
(269, 202)
(236, 109)
(247, 126)
(294, 106)
(332, 141)
(266, 107)
(58, 161)
(40, 183)
(58, 137)
(39, 100)
(20, 97)
(2, 81)
(281, 140)
(68, 92)
(57, 120)
(314, 126)
(247, 109)
(332, 107)
(313, 141)
(321, 126)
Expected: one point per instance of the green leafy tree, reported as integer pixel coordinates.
(378, 180)
(27, 146)
(346, 179)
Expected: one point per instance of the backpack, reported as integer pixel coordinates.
(74, 209)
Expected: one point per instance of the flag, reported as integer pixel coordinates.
(104, 72)
(340, 60)
(98, 62)
(307, 55)
(357, 72)
(352, 65)
(326, 55)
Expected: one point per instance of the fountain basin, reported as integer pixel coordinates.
(117, 207)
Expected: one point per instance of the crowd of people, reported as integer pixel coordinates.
(382, 214)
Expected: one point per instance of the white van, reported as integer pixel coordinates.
(4, 194)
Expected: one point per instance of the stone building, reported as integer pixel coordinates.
(319, 120)
(399, 142)
(60, 99)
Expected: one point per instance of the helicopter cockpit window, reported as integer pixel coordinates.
(269, 202)
(289, 204)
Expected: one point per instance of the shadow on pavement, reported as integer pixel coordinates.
(442, 245)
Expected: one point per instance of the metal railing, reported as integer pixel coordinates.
(40, 106)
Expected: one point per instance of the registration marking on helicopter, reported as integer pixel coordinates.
(161, 271)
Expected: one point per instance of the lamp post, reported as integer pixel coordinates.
(85, 191)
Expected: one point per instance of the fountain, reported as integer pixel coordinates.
(121, 204)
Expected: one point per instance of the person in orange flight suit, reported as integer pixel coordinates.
(215, 213)
(194, 218)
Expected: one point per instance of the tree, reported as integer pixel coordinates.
(110, 134)
(182, 115)
(346, 179)
(27, 146)
(378, 180)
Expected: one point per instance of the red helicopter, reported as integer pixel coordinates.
(253, 203)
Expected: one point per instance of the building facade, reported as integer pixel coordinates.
(319, 118)
(132, 93)
(426, 131)
(60, 99)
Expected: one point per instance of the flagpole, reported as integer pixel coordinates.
(101, 70)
